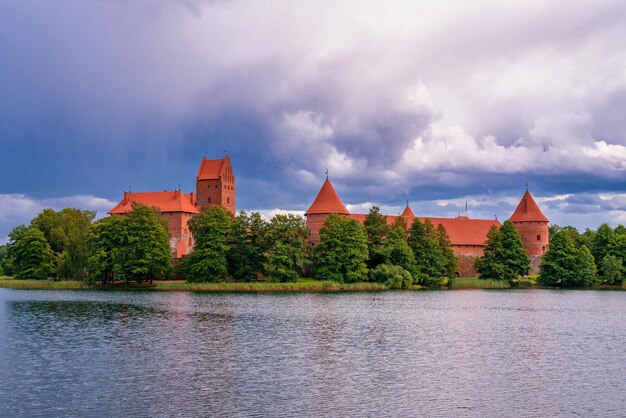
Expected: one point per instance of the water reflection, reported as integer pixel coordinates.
(474, 353)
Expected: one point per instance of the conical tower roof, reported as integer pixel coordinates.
(528, 211)
(408, 212)
(327, 201)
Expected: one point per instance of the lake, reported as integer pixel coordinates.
(430, 353)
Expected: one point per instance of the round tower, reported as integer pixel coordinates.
(532, 225)
(326, 203)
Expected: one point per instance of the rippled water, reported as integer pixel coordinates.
(456, 353)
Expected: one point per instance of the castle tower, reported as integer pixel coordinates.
(532, 225)
(215, 184)
(326, 203)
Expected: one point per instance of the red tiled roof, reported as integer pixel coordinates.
(461, 230)
(528, 210)
(166, 201)
(327, 201)
(210, 169)
(408, 212)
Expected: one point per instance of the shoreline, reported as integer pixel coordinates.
(302, 285)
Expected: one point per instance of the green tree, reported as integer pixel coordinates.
(377, 230)
(148, 252)
(613, 269)
(287, 250)
(67, 232)
(450, 262)
(30, 254)
(342, 251)
(211, 230)
(3, 253)
(424, 242)
(584, 272)
(107, 249)
(504, 257)
(559, 262)
(248, 243)
(601, 242)
(397, 249)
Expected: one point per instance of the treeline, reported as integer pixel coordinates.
(69, 244)
(572, 260)
(587, 259)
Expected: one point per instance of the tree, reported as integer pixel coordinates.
(601, 242)
(342, 251)
(504, 257)
(613, 269)
(584, 272)
(248, 242)
(30, 254)
(67, 232)
(3, 253)
(107, 249)
(450, 262)
(559, 262)
(148, 252)
(211, 230)
(424, 242)
(377, 230)
(398, 252)
(287, 249)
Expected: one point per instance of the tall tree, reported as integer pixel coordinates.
(613, 269)
(107, 249)
(584, 272)
(30, 254)
(559, 262)
(67, 232)
(398, 252)
(342, 251)
(248, 242)
(3, 253)
(287, 250)
(504, 257)
(211, 230)
(601, 242)
(450, 262)
(148, 250)
(424, 242)
(377, 231)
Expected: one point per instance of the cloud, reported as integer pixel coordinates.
(17, 209)
(421, 100)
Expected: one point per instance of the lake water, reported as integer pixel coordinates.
(439, 353)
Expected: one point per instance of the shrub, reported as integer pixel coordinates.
(393, 277)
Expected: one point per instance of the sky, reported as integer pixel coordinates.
(435, 103)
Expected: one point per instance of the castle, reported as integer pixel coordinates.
(467, 235)
(215, 185)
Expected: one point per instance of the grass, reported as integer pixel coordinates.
(476, 283)
(43, 284)
(301, 285)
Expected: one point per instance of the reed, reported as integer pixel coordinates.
(476, 283)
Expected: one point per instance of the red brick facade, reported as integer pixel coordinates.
(467, 236)
(215, 185)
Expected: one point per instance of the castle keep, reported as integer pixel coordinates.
(215, 185)
(467, 235)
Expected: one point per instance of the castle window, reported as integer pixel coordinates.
(228, 200)
(538, 237)
(208, 200)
